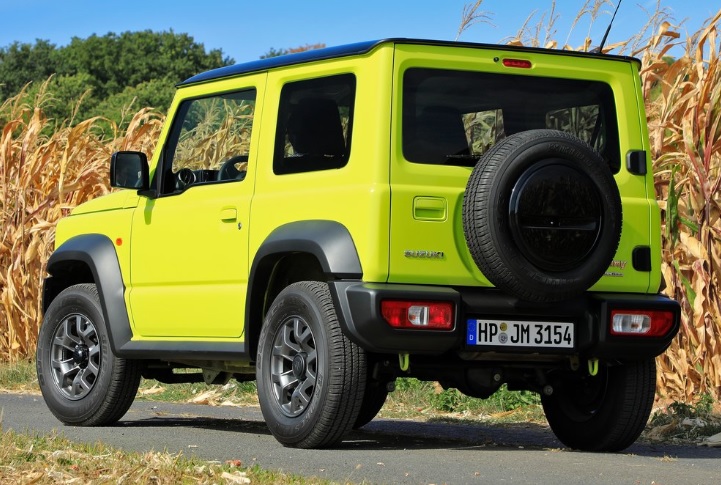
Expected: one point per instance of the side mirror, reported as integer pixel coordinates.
(129, 170)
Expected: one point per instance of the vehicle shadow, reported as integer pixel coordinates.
(512, 436)
(395, 434)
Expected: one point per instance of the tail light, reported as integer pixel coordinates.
(429, 315)
(644, 323)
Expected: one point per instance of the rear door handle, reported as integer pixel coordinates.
(430, 208)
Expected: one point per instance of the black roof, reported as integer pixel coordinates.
(362, 48)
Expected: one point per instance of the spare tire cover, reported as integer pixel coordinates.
(542, 215)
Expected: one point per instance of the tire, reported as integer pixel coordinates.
(542, 215)
(607, 412)
(310, 377)
(81, 380)
(373, 400)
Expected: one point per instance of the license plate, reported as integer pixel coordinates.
(504, 333)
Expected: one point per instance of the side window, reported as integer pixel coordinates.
(210, 141)
(315, 121)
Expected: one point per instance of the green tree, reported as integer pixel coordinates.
(108, 73)
(273, 52)
(155, 93)
(128, 59)
(23, 63)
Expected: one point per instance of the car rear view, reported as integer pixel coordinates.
(520, 179)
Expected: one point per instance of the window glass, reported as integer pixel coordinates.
(454, 117)
(210, 141)
(315, 122)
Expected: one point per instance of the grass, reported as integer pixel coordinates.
(18, 376)
(238, 393)
(30, 458)
(683, 423)
(412, 399)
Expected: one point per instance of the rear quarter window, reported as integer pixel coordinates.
(315, 123)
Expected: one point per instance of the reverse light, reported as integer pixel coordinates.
(519, 63)
(429, 315)
(646, 323)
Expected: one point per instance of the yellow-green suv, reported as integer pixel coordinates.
(328, 221)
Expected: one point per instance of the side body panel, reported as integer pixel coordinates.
(355, 196)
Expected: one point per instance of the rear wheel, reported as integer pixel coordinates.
(82, 382)
(606, 412)
(374, 398)
(310, 377)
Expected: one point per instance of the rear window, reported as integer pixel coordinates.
(454, 117)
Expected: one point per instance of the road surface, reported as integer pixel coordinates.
(384, 451)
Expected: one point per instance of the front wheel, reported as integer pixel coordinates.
(605, 412)
(82, 382)
(310, 377)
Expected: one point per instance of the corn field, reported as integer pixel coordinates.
(684, 118)
(45, 171)
(47, 168)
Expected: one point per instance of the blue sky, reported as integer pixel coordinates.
(245, 30)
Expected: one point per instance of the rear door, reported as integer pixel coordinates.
(451, 105)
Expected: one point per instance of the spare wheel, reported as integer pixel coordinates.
(542, 215)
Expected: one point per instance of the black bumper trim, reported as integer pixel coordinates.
(360, 316)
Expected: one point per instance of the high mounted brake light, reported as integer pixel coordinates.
(428, 315)
(646, 323)
(519, 63)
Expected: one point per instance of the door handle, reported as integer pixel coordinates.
(430, 208)
(228, 215)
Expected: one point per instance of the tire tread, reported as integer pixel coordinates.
(124, 374)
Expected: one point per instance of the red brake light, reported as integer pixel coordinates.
(646, 323)
(429, 315)
(519, 63)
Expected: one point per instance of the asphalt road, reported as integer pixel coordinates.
(384, 451)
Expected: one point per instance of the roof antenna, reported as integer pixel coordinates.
(599, 49)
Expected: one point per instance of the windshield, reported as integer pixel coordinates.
(454, 117)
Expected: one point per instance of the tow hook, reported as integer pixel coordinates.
(404, 361)
(593, 367)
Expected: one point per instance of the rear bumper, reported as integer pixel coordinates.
(360, 317)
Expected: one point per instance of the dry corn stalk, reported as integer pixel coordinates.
(43, 175)
(683, 98)
(683, 105)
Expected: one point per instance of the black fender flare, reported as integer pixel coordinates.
(329, 242)
(96, 252)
